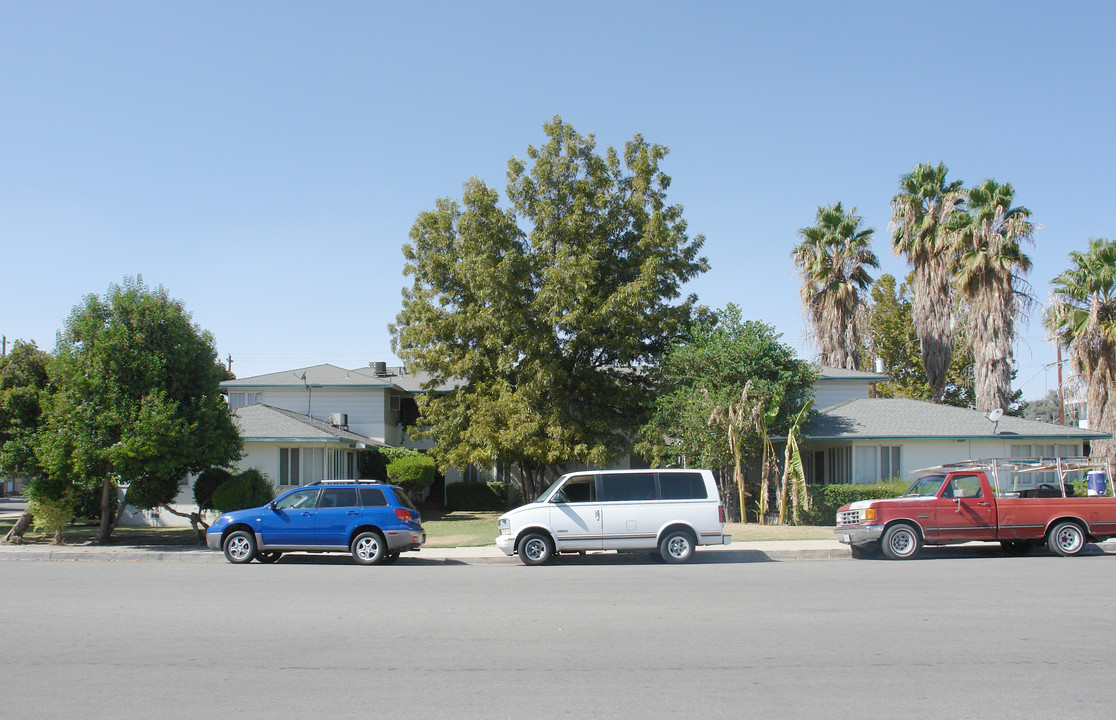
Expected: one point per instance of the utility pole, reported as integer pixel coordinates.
(1061, 398)
(4, 347)
(230, 362)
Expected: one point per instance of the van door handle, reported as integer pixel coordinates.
(598, 514)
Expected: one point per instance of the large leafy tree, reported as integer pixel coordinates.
(24, 386)
(541, 311)
(722, 388)
(920, 223)
(136, 398)
(990, 266)
(892, 338)
(1082, 319)
(832, 259)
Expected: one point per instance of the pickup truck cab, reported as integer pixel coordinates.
(965, 502)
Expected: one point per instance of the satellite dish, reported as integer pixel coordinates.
(996, 414)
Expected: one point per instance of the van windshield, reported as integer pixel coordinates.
(546, 493)
(925, 486)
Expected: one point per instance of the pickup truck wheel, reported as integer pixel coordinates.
(536, 549)
(901, 542)
(865, 552)
(1066, 539)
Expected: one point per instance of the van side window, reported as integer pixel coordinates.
(628, 486)
(682, 486)
(580, 489)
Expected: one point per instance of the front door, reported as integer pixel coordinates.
(575, 514)
(962, 512)
(290, 520)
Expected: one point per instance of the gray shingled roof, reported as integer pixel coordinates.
(264, 422)
(331, 376)
(898, 418)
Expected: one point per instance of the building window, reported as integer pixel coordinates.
(876, 462)
(1048, 452)
(244, 399)
(288, 466)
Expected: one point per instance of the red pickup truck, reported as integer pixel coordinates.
(993, 500)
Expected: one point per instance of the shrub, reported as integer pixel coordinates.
(87, 502)
(247, 490)
(51, 502)
(206, 483)
(149, 492)
(411, 472)
(825, 499)
(477, 496)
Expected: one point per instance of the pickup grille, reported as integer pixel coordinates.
(848, 517)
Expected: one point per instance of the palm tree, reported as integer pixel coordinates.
(919, 216)
(990, 265)
(1082, 318)
(833, 260)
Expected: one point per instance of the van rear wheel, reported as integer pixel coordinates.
(677, 546)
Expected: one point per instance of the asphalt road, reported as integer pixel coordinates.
(946, 637)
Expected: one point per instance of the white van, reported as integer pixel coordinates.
(667, 512)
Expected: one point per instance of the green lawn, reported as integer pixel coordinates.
(454, 529)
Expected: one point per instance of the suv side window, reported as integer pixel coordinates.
(682, 486)
(580, 489)
(372, 497)
(628, 486)
(338, 497)
(297, 499)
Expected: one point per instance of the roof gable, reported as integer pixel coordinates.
(266, 423)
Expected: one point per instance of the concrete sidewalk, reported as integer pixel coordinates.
(487, 555)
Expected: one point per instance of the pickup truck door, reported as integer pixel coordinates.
(964, 510)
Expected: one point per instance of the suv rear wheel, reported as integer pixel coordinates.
(369, 548)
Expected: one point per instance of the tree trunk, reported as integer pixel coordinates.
(15, 535)
(195, 520)
(107, 520)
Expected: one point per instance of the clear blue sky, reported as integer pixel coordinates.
(264, 161)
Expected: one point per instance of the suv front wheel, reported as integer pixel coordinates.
(240, 547)
(369, 548)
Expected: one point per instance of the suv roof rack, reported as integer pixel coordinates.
(341, 481)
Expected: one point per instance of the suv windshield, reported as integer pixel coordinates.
(925, 486)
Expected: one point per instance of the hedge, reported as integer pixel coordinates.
(249, 489)
(825, 499)
(477, 496)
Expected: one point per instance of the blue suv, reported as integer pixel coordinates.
(371, 520)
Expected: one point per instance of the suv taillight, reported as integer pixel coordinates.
(404, 515)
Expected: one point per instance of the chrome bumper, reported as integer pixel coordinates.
(858, 534)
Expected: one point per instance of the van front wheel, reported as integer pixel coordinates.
(677, 546)
(535, 549)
